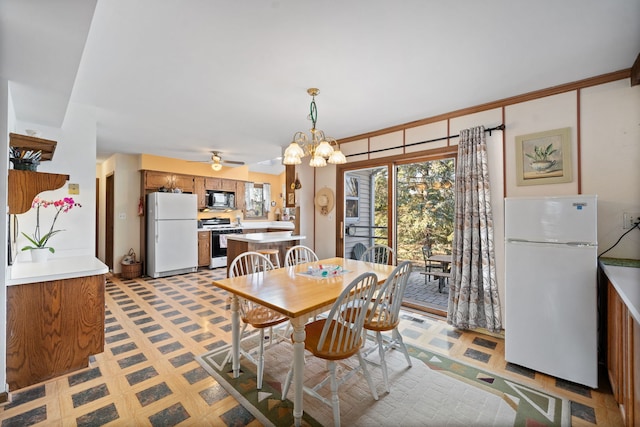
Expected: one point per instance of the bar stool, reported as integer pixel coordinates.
(269, 253)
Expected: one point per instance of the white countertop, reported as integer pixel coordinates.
(25, 272)
(253, 225)
(626, 281)
(271, 237)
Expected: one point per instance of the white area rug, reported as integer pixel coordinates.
(420, 396)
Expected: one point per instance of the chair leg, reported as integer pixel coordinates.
(335, 399)
(287, 382)
(395, 334)
(383, 362)
(260, 359)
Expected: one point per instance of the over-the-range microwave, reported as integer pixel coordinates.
(221, 200)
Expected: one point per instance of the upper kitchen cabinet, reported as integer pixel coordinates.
(199, 190)
(220, 184)
(154, 181)
(240, 196)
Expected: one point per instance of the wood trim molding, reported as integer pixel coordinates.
(554, 90)
(635, 72)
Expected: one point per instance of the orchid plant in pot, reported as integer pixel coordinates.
(38, 240)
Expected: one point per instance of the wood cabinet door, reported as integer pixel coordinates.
(204, 248)
(240, 202)
(614, 341)
(635, 374)
(199, 190)
(228, 185)
(155, 180)
(213, 183)
(184, 183)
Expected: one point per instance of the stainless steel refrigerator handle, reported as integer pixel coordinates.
(156, 217)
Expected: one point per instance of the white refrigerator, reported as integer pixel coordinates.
(551, 315)
(172, 234)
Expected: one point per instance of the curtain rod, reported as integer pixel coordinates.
(499, 127)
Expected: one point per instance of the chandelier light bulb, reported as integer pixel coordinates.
(216, 166)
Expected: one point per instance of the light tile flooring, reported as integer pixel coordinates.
(147, 375)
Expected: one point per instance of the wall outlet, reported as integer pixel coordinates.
(629, 219)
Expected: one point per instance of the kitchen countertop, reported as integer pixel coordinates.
(271, 237)
(625, 277)
(25, 272)
(253, 225)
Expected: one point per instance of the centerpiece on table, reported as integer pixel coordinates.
(39, 249)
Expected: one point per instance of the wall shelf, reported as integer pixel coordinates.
(25, 185)
(46, 146)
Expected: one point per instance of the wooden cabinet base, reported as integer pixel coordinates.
(52, 328)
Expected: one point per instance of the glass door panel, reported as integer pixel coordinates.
(366, 209)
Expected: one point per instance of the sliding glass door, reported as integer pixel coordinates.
(366, 209)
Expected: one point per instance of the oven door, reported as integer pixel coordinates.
(217, 249)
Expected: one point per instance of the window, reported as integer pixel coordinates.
(257, 197)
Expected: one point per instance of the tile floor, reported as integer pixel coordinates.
(147, 375)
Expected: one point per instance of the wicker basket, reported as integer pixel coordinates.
(132, 268)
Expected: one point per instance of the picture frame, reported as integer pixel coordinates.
(543, 157)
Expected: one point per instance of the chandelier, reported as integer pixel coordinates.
(319, 147)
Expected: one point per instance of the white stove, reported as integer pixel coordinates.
(219, 227)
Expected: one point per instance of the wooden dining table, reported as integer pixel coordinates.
(297, 295)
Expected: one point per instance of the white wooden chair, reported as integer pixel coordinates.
(335, 338)
(384, 316)
(299, 254)
(258, 316)
(379, 254)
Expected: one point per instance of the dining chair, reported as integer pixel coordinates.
(335, 339)
(255, 315)
(379, 254)
(299, 254)
(384, 315)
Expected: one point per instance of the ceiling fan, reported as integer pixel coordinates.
(217, 161)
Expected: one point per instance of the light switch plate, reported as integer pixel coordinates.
(74, 188)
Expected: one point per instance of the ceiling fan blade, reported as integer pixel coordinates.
(232, 162)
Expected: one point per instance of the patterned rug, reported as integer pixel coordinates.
(435, 391)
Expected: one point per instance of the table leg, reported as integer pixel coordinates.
(235, 336)
(298, 367)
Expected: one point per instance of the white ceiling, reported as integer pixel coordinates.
(180, 78)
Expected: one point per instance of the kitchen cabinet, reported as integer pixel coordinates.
(240, 196)
(154, 180)
(199, 190)
(25, 185)
(204, 248)
(623, 357)
(53, 327)
(213, 183)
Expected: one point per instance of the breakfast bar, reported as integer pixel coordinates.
(280, 240)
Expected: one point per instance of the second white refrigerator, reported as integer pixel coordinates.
(551, 311)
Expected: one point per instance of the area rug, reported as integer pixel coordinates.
(435, 391)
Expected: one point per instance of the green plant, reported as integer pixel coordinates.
(38, 240)
(541, 154)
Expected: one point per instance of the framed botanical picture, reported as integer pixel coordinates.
(544, 157)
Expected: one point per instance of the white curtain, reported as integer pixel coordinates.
(473, 294)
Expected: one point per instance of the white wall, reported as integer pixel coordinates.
(76, 143)
(610, 123)
(7, 118)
